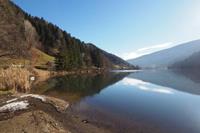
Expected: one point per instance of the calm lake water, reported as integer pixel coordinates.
(144, 101)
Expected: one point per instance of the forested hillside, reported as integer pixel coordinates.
(12, 31)
(189, 63)
(69, 51)
(33, 38)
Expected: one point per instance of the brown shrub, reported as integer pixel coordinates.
(16, 79)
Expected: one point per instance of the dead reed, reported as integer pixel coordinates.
(16, 79)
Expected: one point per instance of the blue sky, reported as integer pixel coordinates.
(127, 28)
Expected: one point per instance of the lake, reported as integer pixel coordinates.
(149, 101)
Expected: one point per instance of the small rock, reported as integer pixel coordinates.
(85, 121)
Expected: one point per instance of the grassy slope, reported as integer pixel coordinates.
(41, 58)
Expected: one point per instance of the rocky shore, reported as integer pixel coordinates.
(30, 113)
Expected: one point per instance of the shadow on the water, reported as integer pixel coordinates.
(182, 80)
(193, 74)
(74, 87)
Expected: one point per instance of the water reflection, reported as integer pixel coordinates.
(182, 80)
(148, 101)
(74, 87)
(192, 74)
(145, 86)
(144, 101)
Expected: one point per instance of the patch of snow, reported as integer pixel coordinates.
(12, 100)
(34, 96)
(15, 106)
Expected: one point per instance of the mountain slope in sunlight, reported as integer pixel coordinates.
(166, 58)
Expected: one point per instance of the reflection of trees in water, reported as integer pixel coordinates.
(193, 74)
(75, 87)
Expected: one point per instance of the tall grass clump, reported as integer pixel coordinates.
(16, 79)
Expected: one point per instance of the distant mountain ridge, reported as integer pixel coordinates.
(168, 57)
(26, 37)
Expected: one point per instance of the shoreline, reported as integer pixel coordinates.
(15, 108)
(51, 114)
(44, 110)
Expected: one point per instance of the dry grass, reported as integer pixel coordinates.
(16, 79)
(40, 58)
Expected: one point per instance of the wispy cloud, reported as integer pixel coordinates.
(155, 47)
(146, 50)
